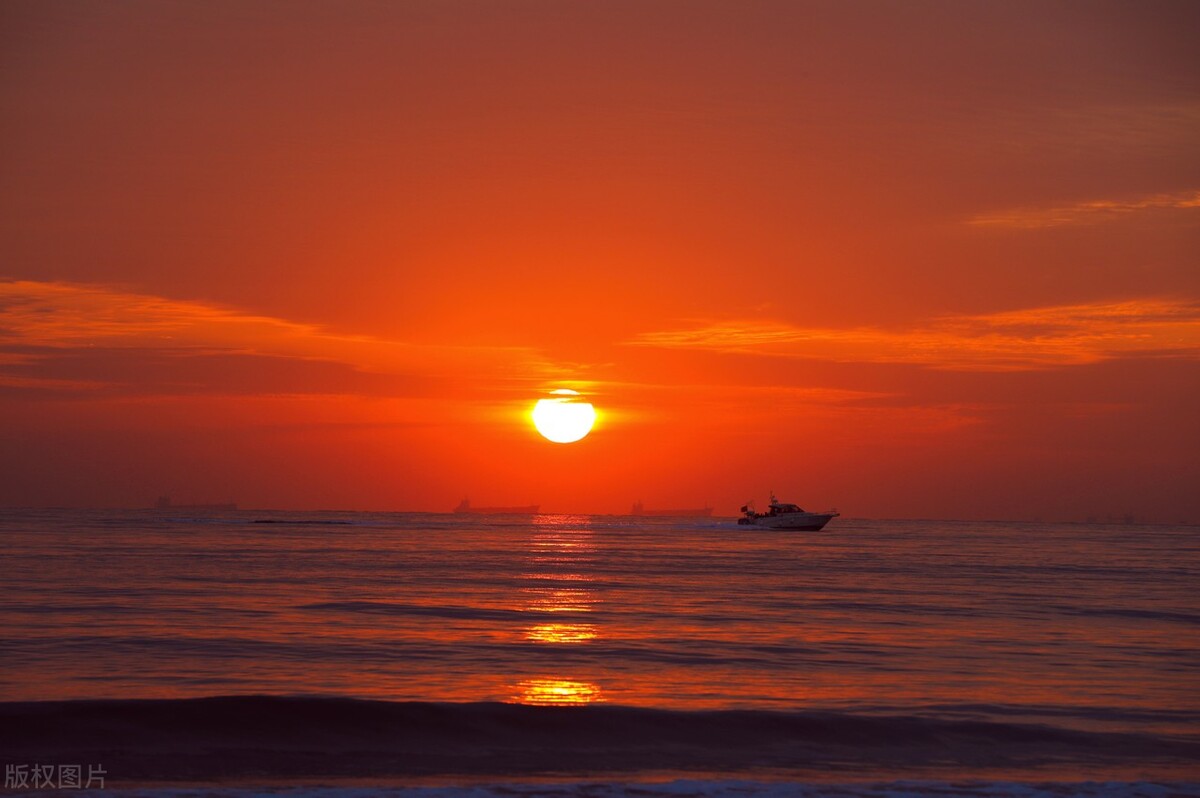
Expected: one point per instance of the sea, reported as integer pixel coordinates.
(340, 654)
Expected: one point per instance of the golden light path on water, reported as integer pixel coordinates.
(558, 545)
(561, 633)
(557, 692)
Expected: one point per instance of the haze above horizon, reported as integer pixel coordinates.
(927, 259)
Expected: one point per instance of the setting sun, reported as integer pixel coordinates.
(563, 418)
(383, 383)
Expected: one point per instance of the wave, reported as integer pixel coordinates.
(231, 737)
(303, 522)
(393, 608)
(712, 788)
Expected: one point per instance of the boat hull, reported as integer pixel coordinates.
(799, 522)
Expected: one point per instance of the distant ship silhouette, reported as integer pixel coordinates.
(695, 512)
(465, 507)
(164, 503)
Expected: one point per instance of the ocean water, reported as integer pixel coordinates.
(691, 788)
(946, 629)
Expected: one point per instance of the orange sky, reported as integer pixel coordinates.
(906, 259)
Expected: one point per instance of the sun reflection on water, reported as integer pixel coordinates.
(558, 582)
(543, 599)
(557, 692)
(561, 633)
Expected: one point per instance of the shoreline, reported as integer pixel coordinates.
(236, 740)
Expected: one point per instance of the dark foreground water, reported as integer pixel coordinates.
(874, 649)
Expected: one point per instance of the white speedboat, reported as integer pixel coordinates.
(782, 515)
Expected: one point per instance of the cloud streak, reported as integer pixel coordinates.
(1035, 338)
(1086, 213)
(78, 337)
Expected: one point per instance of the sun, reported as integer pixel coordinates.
(563, 418)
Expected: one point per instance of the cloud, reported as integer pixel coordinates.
(79, 337)
(1035, 338)
(1086, 213)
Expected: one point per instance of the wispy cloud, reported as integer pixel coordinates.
(1015, 340)
(1086, 213)
(86, 337)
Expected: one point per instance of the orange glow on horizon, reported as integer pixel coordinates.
(953, 261)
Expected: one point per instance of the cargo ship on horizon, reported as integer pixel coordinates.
(164, 503)
(465, 507)
(695, 512)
